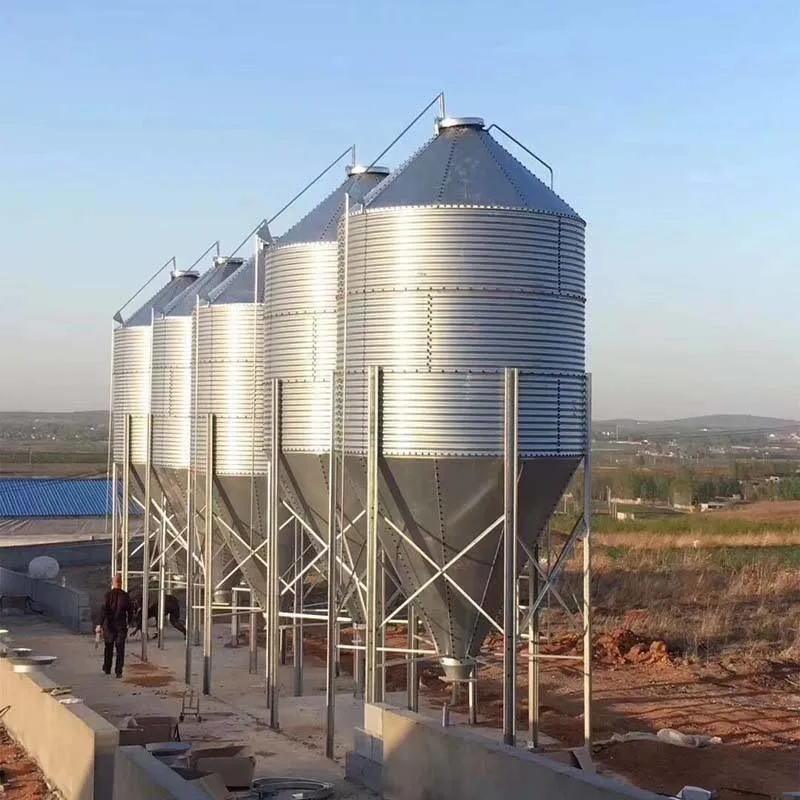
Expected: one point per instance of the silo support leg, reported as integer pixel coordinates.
(273, 589)
(587, 572)
(190, 610)
(208, 556)
(371, 676)
(148, 501)
(412, 675)
(333, 578)
(126, 501)
(533, 650)
(114, 521)
(297, 628)
(511, 471)
(162, 571)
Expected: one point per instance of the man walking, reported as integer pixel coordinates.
(114, 620)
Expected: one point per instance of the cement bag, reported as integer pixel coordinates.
(43, 568)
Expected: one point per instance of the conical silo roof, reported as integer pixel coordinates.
(321, 224)
(464, 165)
(179, 282)
(238, 287)
(183, 305)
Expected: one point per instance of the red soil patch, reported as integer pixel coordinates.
(146, 675)
(24, 781)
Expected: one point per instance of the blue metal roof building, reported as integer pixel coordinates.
(30, 498)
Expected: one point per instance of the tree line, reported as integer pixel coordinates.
(686, 486)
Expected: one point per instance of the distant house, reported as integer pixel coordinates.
(716, 505)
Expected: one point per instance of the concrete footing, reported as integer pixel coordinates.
(405, 756)
(364, 764)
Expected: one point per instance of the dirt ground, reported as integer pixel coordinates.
(22, 779)
(751, 703)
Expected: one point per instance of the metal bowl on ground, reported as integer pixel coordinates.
(21, 652)
(290, 789)
(173, 754)
(30, 663)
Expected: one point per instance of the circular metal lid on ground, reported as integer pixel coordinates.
(294, 788)
(168, 748)
(30, 663)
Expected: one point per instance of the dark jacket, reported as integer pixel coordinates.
(116, 614)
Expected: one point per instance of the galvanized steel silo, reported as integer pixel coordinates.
(230, 383)
(300, 299)
(171, 388)
(130, 378)
(460, 265)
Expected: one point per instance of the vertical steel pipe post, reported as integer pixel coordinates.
(268, 665)
(273, 590)
(208, 555)
(114, 521)
(533, 650)
(381, 588)
(126, 502)
(297, 627)
(190, 611)
(472, 696)
(587, 571)
(253, 639)
(412, 671)
(371, 665)
(162, 572)
(148, 500)
(510, 475)
(333, 578)
(234, 618)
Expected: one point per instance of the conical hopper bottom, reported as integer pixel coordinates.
(172, 484)
(305, 483)
(240, 499)
(444, 504)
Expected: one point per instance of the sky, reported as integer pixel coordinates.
(132, 132)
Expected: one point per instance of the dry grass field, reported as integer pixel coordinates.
(729, 580)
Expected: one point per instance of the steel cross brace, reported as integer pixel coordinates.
(442, 571)
(557, 569)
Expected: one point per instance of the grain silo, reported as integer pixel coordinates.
(460, 265)
(130, 394)
(300, 300)
(230, 384)
(171, 394)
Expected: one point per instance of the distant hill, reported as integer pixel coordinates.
(713, 423)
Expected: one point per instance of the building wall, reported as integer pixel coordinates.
(69, 607)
